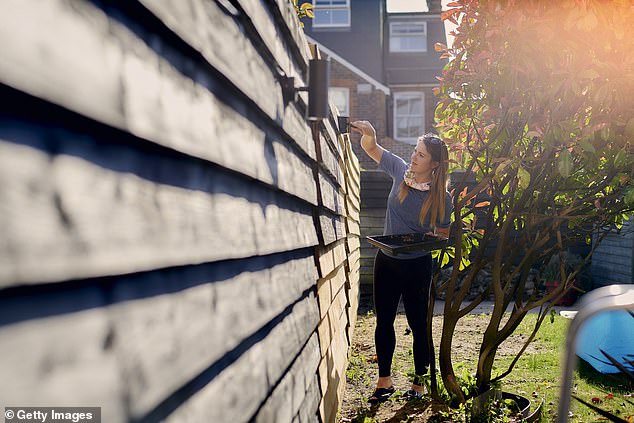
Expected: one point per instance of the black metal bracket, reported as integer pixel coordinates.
(289, 90)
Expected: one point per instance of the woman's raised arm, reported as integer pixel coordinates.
(368, 139)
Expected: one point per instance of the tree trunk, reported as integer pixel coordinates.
(444, 358)
(485, 367)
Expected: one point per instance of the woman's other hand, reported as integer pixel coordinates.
(442, 232)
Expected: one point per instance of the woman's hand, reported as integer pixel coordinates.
(368, 139)
(364, 128)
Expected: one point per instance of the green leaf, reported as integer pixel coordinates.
(587, 146)
(565, 163)
(604, 133)
(629, 197)
(464, 263)
(620, 159)
(524, 178)
(500, 169)
(445, 260)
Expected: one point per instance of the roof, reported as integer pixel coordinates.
(350, 66)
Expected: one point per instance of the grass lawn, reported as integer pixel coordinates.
(536, 376)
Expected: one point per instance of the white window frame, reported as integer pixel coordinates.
(317, 8)
(395, 47)
(408, 94)
(346, 92)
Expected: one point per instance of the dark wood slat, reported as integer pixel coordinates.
(352, 227)
(335, 358)
(372, 202)
(308, 411)
(274, 36)
(337, 281)
(62, 360)
(354, 257)
(145, 345)
(332, 227)
(195, 323)
(374, 175)
(331, 196)
(372, 212)
(237, 392)
(333, 139)
(217, 37)
(329, 160)
(625, 261)
(330, 327)
(328, 286)
(139, 91)
(354, 193)
(331, 256)
(323, 330)
(353, 207)
(51, 207)
(373, 222)
(352, 170)
(351, 211)
(289, 17)
(354, 243)
(288, 396)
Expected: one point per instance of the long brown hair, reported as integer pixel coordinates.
(435, 202)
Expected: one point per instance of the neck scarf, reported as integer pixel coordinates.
(409, 180)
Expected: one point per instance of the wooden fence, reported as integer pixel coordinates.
(613, 260)
(375, 188)
(177, 242)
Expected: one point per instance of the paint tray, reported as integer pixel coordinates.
(407, 243)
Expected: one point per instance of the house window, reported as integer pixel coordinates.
(331, 13)
(408, 37)
(407, 6)
(341, 98)
(409, 116)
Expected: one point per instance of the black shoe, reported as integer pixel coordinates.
(412, 395)
(381, 394)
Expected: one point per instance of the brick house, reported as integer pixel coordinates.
(383, 65)
(383, 69)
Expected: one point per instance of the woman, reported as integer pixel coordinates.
(418, 202)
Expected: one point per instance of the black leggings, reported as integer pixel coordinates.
(410, 278)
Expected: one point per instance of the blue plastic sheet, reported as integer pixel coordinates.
(612, 332)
